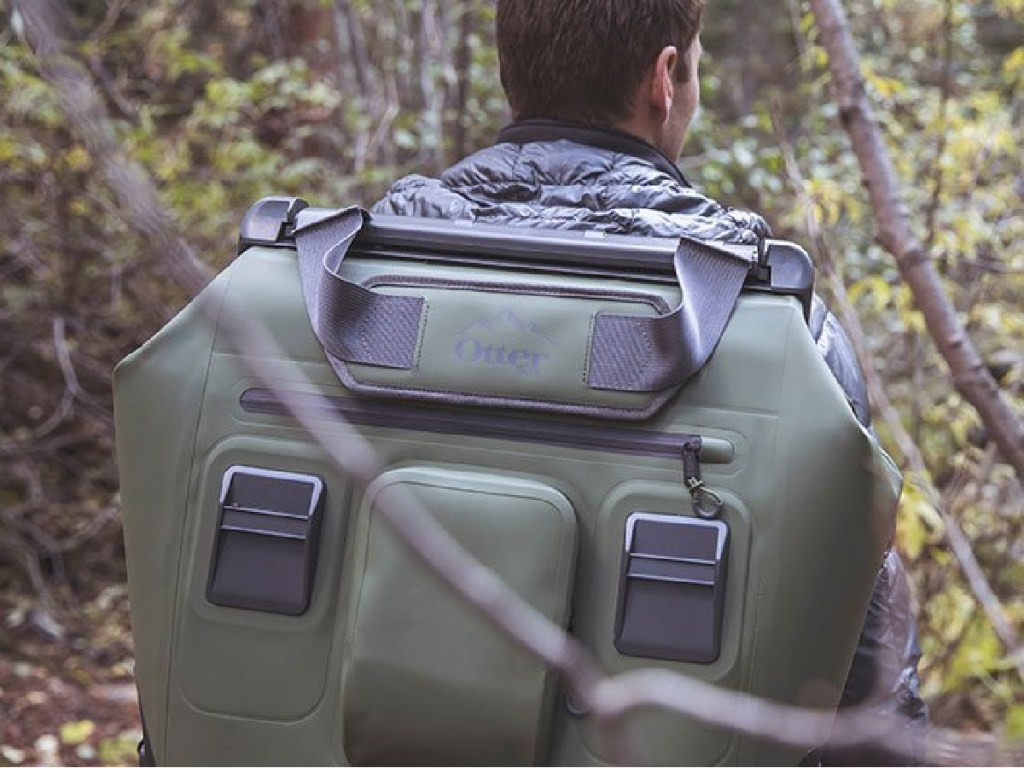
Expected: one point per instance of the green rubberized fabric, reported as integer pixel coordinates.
(808, 499)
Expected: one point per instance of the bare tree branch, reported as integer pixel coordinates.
(915, 463)
(970, 375)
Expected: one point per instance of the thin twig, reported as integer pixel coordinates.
(67, 369)
(114, 10)
(67, 401)
(96, 66)
(946, 91)
(26, 556)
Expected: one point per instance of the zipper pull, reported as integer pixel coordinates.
(706, 503)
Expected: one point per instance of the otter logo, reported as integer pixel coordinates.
(504, 341)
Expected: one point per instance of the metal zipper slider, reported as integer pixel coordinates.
(706, 503)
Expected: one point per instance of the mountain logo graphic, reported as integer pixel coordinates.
(504, 341)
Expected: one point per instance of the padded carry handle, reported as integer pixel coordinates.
(628, 353)
(354, 324)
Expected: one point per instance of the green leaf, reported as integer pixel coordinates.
(1014, 724)
(76, 732)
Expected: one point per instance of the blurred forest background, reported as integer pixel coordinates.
(226, 102)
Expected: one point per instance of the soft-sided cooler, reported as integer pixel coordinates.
(508, 378)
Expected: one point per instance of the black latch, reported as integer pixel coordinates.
(269, 222)
(784, 269)
(266, 549)
(672, 590)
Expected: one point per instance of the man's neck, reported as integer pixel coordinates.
(639, 129)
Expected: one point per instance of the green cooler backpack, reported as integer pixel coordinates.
(553, 400)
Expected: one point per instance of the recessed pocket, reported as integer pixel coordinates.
(427, 680)
(246, 644)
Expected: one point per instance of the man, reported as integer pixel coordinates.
(603, 92)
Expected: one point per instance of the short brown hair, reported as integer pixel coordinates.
(583, 60)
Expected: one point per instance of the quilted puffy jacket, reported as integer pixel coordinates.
(545, 173)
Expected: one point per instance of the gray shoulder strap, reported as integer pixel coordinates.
(628, 353)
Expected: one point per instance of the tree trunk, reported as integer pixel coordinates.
(463, 69)
(970, 375)
(350, 38)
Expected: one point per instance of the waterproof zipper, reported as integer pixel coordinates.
(691, 448)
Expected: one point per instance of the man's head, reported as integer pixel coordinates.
(631, 64)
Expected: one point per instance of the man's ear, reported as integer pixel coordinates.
(662, 85)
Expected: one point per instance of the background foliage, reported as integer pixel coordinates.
(226, 102)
